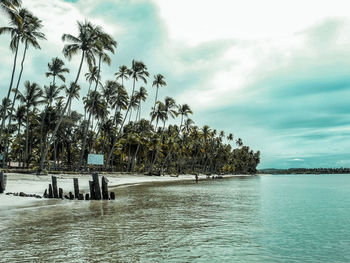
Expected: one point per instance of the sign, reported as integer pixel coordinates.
(96, 159)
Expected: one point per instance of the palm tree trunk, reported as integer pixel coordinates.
(9, 91)
(82, 151)
(43, 157)
(13, 103)
(119, 132)
(27, 141)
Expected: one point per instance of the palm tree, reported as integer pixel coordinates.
(158, 82)
(123, 73)
(138, 71)
(103, 43)
(239, 142)
(184, 110)
(56, 69)
(50, 94)
(84, 43)
(20, 116)
(140, 95)
(26, 31)
(9, 7)
(31, 98)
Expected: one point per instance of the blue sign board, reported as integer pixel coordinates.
(96, 159)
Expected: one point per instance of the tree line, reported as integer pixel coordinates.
(39, 130)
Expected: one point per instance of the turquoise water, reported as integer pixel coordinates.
(300, 218)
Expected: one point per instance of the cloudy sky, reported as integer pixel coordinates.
(275, 73)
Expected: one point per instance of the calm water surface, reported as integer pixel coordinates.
(301, 218)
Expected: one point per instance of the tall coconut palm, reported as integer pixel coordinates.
(20, 116)
(140, 95)
(184, 110)
(103, 43)
(31, 97)
(50, 94)
(138, 71)
(158, 82)
(29, 34)
(123, 73)
(27, 31)
(56, 69)
(84, 43)
(159, 114)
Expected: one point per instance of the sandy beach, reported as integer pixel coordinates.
(33, 184)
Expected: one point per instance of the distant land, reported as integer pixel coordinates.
(305, 171)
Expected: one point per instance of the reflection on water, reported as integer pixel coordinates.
(257, 219)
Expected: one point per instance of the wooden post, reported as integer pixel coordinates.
(96, 186)
(60, 193)
(112, 195)
(50, 191)
(54, 186)
(92, 190)
(71, 196)
(80, 197)
(45, 194)
(87, 197)
(3, 179)
(104, 188)
(76, 188)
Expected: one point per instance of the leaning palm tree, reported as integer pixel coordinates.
(103, 43)
(29, 34)
(26, 31)
(158, 82)
(56, 69)
(84, 43)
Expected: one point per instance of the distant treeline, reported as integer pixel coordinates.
(306, 171)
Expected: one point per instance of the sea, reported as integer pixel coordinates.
(268, 218)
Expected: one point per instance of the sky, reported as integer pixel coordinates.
(274, 73)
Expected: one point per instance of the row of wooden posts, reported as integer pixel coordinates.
(96, 193)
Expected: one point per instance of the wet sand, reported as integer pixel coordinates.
(33, 184)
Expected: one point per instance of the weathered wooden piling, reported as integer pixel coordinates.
(87, 197)
(92, 190)
(54, 186)
(45, 194)
(112, 195)
(76, 187)
(104, 188)
(3, 179)
(71, 196)
(60, 193)
(50, 191)
(80, 197)
(96, 186)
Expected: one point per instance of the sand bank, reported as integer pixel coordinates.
(33, 184)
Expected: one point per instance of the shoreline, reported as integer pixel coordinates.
(34, 184)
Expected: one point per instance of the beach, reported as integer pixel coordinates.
(34, 184)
